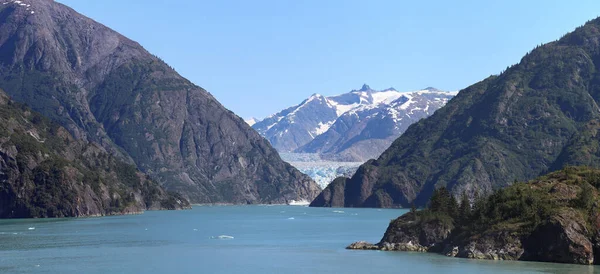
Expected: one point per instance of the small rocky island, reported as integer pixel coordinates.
(554, 218)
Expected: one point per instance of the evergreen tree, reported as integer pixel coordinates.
(464, 210)
(452, 209)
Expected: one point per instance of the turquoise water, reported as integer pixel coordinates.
(266, 239)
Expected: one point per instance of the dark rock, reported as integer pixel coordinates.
(570, 241)
(45, 172)
(108, 89)
(497, 245)
(362, 245)
(417, 233)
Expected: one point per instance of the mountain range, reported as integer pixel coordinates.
(537, 116)
(353, 126)
(107, 89)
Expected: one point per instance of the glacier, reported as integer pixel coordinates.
(321, 170)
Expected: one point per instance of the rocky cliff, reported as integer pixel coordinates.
(555, 218)
(537, 116)
(45, 172)
(108, 89)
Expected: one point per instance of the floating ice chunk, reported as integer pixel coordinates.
(222, 237)
(31, 228)
(291, 218)
(299, 203)
(195, 229)
(339, 211)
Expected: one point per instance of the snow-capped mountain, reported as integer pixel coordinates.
(353, 126)
(251, 121)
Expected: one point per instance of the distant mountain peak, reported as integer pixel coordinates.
(315, 96)
(432, 89)
(251, 121)
(380, 114)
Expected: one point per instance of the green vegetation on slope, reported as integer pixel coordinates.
(45, 172)
(553, 218)
(538, 116)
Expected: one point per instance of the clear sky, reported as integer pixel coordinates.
(258, 57)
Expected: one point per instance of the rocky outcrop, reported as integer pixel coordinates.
(106, 88)
(571, 242)
(554, 218)
(497, 245)
(45, 172)
(411, 232)
(562, 239)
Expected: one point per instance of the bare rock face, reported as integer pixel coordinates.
(108, 89)
(496, 245)
(362, 245)
(45, 172)
(571, 243)
(425, 234)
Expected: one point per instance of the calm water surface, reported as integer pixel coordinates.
(266, 239)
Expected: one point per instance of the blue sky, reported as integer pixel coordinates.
(258, 57)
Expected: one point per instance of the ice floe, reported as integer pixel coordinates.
(222, 237)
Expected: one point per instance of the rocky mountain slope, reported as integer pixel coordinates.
(45, 172)
(108, 89)
(537, 116)
(354, 126)
(554, 218)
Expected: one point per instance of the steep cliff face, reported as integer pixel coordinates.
(537, 116)
(106, 88)
(45, 172)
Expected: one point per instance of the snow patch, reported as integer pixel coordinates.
(323, 127)
(386, 96)
(340, 109)
(251, 121)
